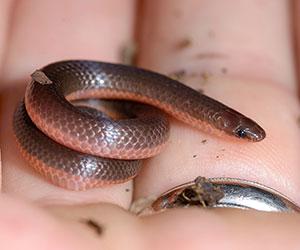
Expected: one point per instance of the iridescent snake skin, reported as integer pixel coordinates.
(76, 149)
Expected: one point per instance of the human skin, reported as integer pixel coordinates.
(238, 52)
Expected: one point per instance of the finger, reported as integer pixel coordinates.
(66, 227)
(109, 227)
(43, 32)
(296, 20)
(36, 229)
(240, 54)
(227, 229)
(5, 7)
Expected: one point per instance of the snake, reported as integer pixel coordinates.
(79, 148)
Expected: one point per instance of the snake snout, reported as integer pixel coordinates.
(250, 130)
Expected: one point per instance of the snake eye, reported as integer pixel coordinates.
(241, 133)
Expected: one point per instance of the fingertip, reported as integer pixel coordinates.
(223, 229)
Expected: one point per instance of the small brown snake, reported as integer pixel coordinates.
(71, 147)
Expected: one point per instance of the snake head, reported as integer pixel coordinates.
(234, 123)
(248, 129)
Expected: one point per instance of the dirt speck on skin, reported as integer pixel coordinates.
(298, 121)
(178, 74)
(127, 190)
(204, 141)
(184, 43)
(194, 156)
(93, 225)
(209, 55)
(128, 53)
(224, 70)
(205, 76)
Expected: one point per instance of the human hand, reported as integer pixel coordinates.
(239, 53)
